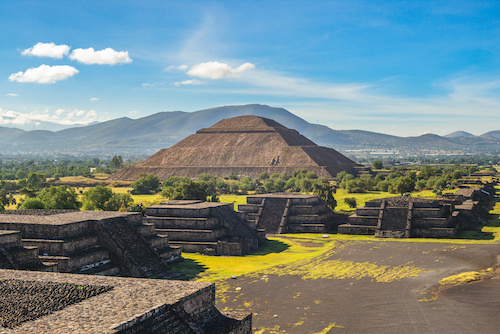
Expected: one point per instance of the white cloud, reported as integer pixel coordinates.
(106, 56)
(13, 94)
(182, 67)
(44, 74)
(189, 82)
(94, 99)
(47, 50)
(133, 112)
(216, 70)
(60, 116)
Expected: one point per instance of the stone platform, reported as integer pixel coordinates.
(114, 305)
(90, 242)
(204, 227)
(287, 213)
(405, 217)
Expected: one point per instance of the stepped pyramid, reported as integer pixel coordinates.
(246, 146)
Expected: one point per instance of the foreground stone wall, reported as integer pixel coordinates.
(124, 305)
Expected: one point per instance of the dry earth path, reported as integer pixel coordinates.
(286, 301)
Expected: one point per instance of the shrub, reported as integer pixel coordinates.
(351, 202)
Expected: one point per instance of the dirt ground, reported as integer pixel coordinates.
(291, 304)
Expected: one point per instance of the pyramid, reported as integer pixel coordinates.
(244, 145)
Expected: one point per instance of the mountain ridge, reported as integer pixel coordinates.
(148, 134)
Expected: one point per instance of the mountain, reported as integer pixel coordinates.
(146, 135)
(492, 134)
(459, 134)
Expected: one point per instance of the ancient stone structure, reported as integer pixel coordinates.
(246, 146)
(287, 212)
(205, 227)
(404, 217)
(88, 242)
(48, 303)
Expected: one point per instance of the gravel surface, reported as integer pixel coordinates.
(28, 300)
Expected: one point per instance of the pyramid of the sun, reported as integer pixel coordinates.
(244, 145)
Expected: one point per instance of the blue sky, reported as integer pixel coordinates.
(398, 67)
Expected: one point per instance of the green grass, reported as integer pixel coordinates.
(236, 199)
(304, 255)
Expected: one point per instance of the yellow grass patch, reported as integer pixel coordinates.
(302, 257)
(469, 276)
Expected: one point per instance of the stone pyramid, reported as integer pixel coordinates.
(246, 146)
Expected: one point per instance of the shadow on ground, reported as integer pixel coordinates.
(271, 246)
(190, 268)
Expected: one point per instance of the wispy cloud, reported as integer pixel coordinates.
(106, 56)
(152, 84)
(12, 94)
(60, 116)
(193, 82)
(50, 50)
(44, 74)
(93, 99)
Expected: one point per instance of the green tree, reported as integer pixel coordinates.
(6, 199)
(31, 203)
(351, 202)
(61, 197)
(325, 193)
(377, 164)
(97, 198)
(146, 184)
(116, 162)
(32, 185)
(405, 185)
(186, 190)
(119, 202)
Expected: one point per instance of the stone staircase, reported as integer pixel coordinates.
(138, 251)
(13, 255)
(393, 222)
(204, 227)
(287, 213)
(400, 217)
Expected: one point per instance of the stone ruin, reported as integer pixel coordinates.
(86, 242)
(405, 217)
(204, 227)
(47, 303)
(287, 213)
(246, 146)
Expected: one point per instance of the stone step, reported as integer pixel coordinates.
(180, 222)
(306, 209)
(74, 262)
(308, 218)
(306, 228)
(10, 238)
(356, 229)
(170, 253)
(25, 256)
(107, 268)
(191, 235)
(194, 246)
(63, 246)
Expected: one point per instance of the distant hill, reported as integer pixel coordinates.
(492, 134)
(459, 134)
(146, 135)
